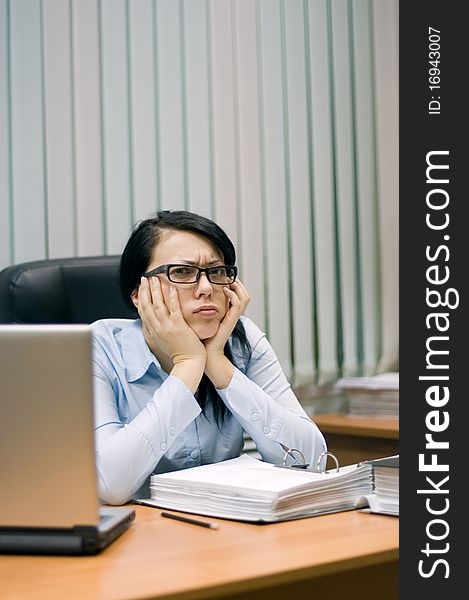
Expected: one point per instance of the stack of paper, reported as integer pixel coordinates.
(385, 499)
(375, 396)
(248, 489)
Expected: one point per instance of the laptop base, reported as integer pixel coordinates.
(79, 540)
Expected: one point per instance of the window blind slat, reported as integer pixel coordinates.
(250, 246)
(346, 192)
(86, 75)
(366, 188)
(6, 233)
(197, 108)
(299, 194)
(59, 129)
(277, 119)
(27, 132)
(225, 155)
(275, 216)
(386, 85)
(171, 121)
(144, 163)
(323, 191)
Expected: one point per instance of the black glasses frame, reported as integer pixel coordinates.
(164, 269)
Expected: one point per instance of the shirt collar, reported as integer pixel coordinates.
(135, 351)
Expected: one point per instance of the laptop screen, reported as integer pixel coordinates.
(47, 466)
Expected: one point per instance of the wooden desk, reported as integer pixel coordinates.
(350, 554)
(353, 439)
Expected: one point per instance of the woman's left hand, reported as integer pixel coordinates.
(239, 298)
(217, 367)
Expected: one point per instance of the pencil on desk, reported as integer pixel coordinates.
(189, 520)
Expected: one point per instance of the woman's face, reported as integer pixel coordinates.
(184, 247)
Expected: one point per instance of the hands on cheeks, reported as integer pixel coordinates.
(165, 329)
(238, 298)
(169, 337)
(176, 345)
(217, 367)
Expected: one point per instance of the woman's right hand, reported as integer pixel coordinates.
(167, 333)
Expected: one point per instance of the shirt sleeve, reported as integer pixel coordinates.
(263, 402)
(127, 452)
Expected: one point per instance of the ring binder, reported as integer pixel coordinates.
(252, 490)
(290, 452)
(326, 454)
(304, 465)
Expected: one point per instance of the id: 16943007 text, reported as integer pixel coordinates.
(434, 73)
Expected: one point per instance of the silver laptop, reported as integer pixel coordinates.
(49, 500)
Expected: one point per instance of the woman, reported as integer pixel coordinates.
(176, 387)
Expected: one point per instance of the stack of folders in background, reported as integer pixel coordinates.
(385, 497)
(248, 489)
(375, 396)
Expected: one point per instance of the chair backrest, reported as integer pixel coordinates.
(62, 290)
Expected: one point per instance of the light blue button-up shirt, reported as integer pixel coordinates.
(149, 422)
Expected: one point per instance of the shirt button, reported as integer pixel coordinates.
(163, 446)
(255, 416)
(266, 429)
(172, 430)
(194, 454)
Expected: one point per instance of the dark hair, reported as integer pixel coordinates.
(136, 259)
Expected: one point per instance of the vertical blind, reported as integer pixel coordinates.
(278, 119)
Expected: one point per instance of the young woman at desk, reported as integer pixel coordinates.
(176, 387)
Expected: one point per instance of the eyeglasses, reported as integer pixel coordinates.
(219, 275)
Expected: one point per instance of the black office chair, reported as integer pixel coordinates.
(62, 290)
